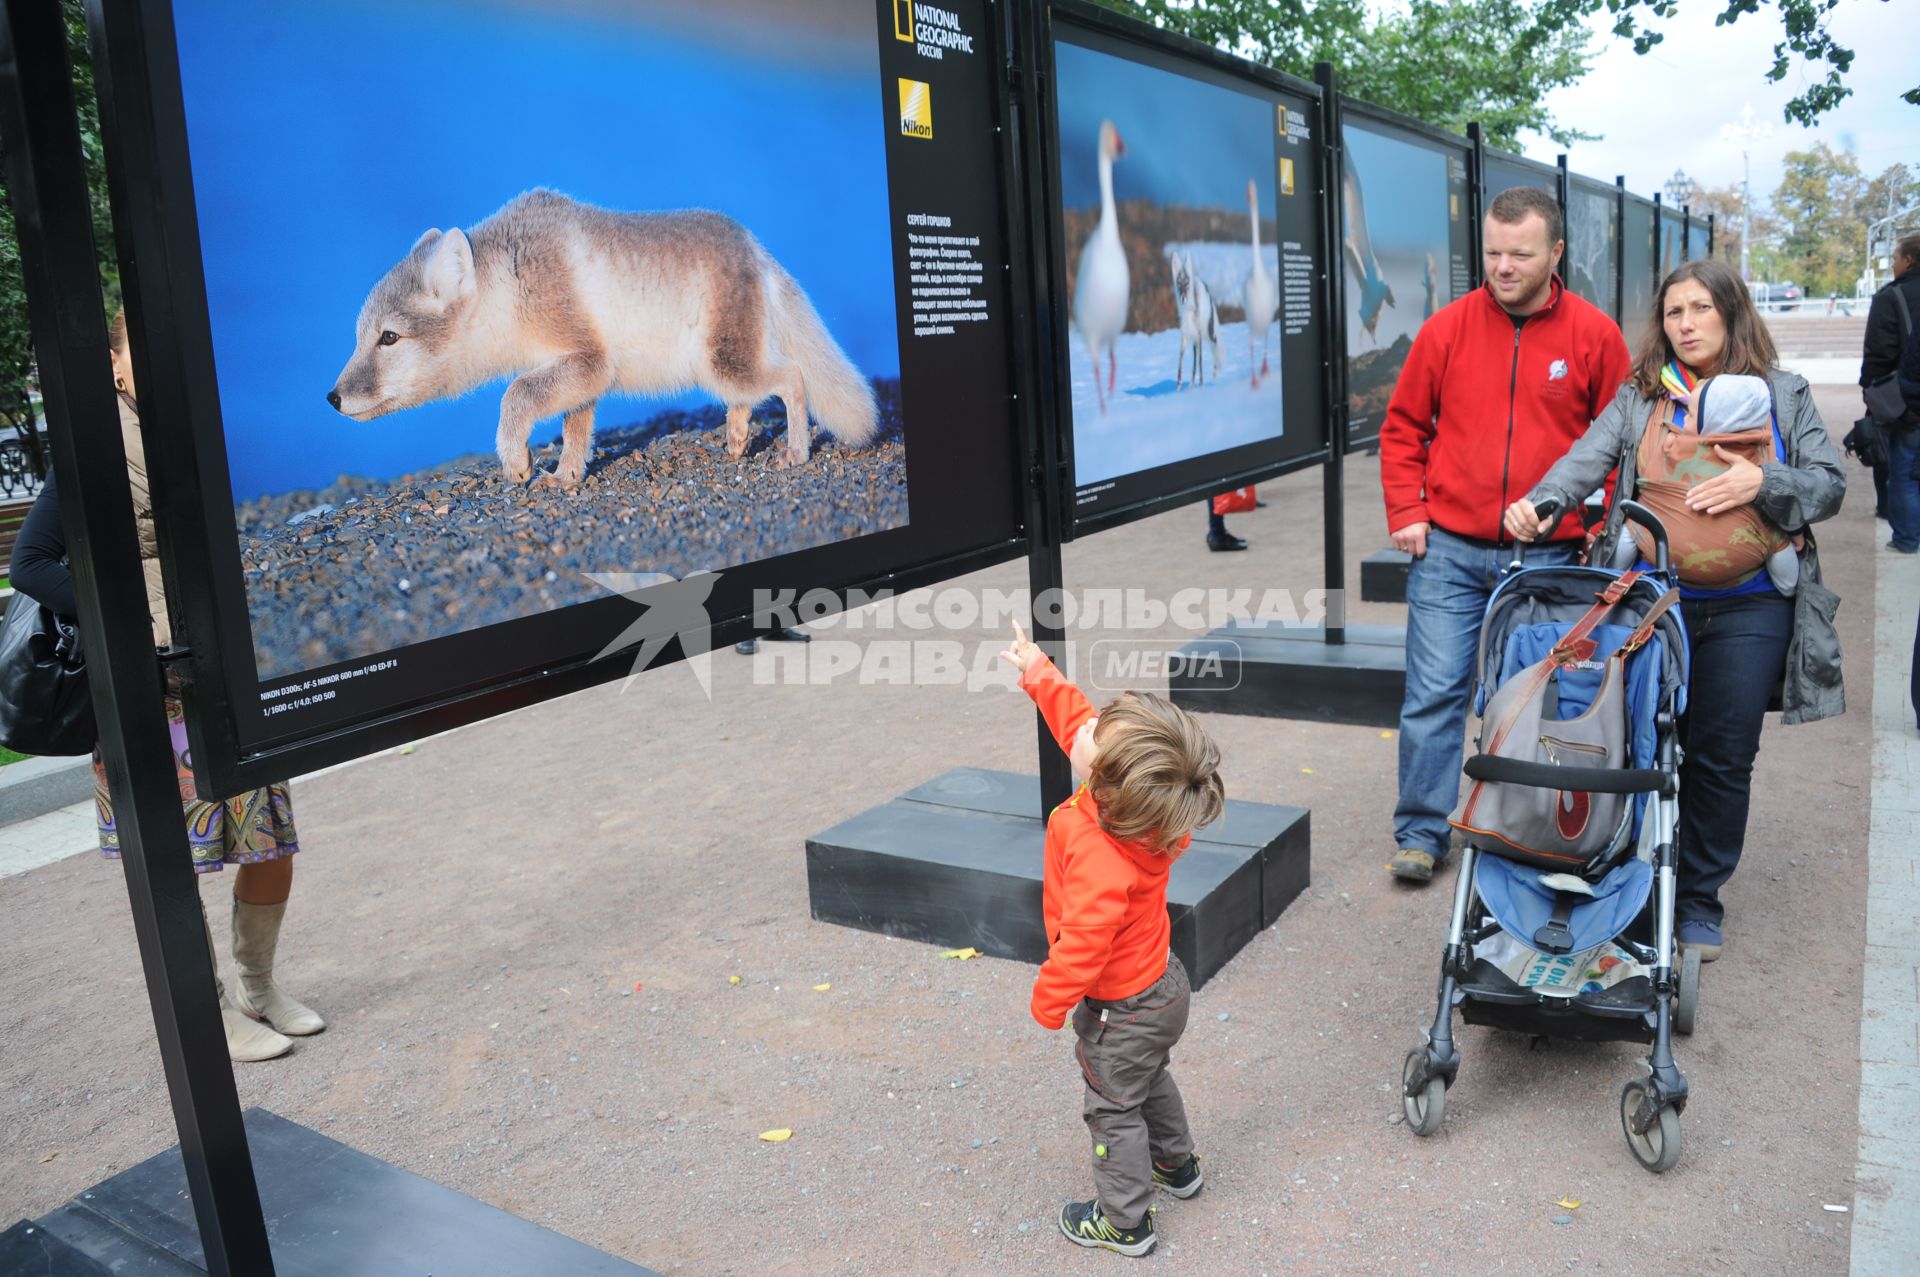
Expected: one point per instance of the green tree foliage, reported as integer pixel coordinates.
(17, 376)
(1447, 62)
(1820, 214)
(1804, 38)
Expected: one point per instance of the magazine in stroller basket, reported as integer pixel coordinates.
(1569, 815)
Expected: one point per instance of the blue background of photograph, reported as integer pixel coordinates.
(1188, 142)
(327, 136)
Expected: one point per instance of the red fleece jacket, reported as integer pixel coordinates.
(1105, 901)
(1482, 411)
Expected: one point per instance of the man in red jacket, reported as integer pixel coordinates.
(1496, 388)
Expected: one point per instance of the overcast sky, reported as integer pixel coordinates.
(1665, 110)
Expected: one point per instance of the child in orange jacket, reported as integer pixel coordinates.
(1149, 776)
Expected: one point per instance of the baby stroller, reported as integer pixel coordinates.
(1574, 945)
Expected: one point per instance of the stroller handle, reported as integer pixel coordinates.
(1651, 522)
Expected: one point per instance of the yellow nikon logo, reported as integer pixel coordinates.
(916, 109)
(903, 20)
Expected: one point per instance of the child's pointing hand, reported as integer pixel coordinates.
(1024, 651)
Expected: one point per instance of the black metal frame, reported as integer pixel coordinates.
(137, 71)
(48, 180)
(1050, 255)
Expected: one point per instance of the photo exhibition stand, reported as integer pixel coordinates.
(958, 861)
(1337, 672)
(199, 1207)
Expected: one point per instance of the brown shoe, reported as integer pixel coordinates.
(1410, 864)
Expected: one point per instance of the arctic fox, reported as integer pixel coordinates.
(575, 302)
(1199, 319)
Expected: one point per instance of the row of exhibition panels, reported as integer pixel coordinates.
(1000, 441)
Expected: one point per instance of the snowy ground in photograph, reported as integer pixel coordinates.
(1148, 423)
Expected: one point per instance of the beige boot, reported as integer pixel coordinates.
(256, 935)
(248, 1041)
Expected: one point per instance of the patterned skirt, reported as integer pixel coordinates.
(243, 830)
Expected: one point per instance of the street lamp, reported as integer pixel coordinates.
(1679, 189)
(1744, 134)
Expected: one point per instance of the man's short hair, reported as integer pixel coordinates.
(1908, 246)
(1512, 205)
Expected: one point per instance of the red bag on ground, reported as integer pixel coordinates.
(1238, 501)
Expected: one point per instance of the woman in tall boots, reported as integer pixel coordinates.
(253, 831)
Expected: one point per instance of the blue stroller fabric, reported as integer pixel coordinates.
(1513, 895)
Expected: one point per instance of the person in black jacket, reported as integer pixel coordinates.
(1896, 493)
(254, 831)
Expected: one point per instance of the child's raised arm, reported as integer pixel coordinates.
(1069, 714)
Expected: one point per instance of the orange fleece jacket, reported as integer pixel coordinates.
(1105, 901)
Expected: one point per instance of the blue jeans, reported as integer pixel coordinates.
(1903, 490)
(1738, 649)
(1447, 593)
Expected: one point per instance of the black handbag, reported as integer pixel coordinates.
(45, 708)
(1867, 442)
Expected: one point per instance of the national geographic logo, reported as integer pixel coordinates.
(931, 30)
(916, 109)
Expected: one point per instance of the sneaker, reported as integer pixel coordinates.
(1183, 1181)
(1700, 934)
(1085, 1224)
(1410, 864)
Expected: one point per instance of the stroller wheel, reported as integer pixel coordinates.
(1659, 1147)
(1426, 1107)
(1686, 1000)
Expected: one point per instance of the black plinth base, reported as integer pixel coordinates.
(958, 862)
(331, 1211)
(1279, 671)
(1383, 576)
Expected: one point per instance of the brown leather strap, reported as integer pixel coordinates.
(1576, 645)
(1644, 630)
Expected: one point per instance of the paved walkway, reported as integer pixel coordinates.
(1886, 1235)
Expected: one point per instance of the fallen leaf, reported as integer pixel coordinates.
(406, 749)
(733, 979)
(1569, 1203)
(778, 1136)
(48, 1158)
(1306, 771)
(962, 954)
(1386, 735)
(821, 988)
(636, 986)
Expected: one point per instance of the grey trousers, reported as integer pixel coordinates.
(1133, 1108)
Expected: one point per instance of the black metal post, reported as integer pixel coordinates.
(48, 180)
(1562, 188)
(1477, 195)
(1048, 501)
(1333, 493)
(1710, 233)
(1620, 249)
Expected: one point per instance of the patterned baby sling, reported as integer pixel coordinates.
(1709, 551)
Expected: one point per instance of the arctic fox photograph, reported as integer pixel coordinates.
(552, 291)
(1169, 190)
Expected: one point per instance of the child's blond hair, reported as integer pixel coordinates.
(1157, 776)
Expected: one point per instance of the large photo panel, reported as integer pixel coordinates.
(1188, 219)
(1504, 172)
(1637, 265)
(1699, 238)
(1406, 244)
(506, 300)
(1593, 242)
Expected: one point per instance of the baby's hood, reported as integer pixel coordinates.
(1730, 403)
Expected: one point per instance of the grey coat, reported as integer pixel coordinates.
(1793, 496)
